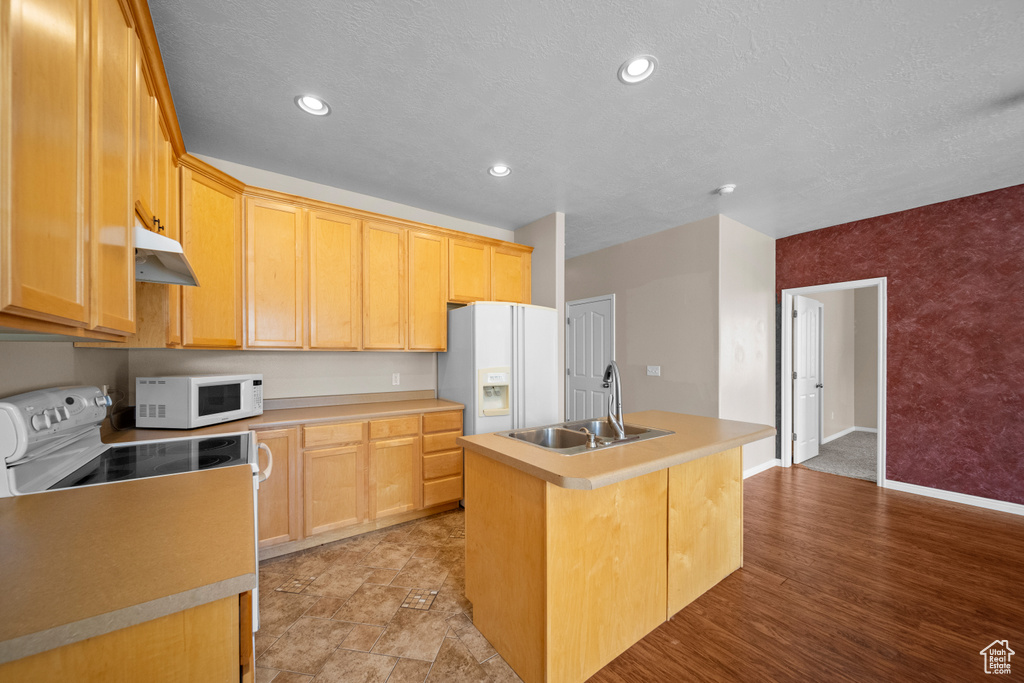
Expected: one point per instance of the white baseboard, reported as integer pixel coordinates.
(757, 469)
(848, 430)
(954, 497)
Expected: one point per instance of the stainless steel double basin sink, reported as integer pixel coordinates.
(568, 438)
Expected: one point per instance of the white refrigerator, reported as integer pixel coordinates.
(502, 364)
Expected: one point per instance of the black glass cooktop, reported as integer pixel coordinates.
(155, 458)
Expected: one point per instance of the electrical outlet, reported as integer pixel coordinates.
(654, 371)
(395, 379)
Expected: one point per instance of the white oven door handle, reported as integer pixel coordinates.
(265, 474)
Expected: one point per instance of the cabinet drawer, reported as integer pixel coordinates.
(408, 425)
(432, 443)
(442, 491)
(442, 464)
(334, 433)
(442, 422)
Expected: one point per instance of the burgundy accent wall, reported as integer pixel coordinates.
(955, 270)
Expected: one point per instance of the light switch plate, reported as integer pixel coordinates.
(654, 371)
(395, 378)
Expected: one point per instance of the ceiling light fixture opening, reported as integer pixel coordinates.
(725, 189)
(312, 105)
(637, 69)
(499, 170)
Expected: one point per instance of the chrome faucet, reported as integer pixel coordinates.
(611, 376)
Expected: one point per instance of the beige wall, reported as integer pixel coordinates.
(257, 177)
(666, 313)
(746, 365)
(547, 237)
(865, 353)
(837, 357)
(289, 374)
(30, 365)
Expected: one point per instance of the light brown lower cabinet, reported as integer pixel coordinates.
(336, 479)
(280, 511)
(334, 494)
(394, 476)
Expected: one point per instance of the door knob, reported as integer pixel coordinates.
(820, 386)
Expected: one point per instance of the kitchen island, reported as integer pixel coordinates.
(572, 559)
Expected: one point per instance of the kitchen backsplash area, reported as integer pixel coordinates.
(26, 366)
(291, 374)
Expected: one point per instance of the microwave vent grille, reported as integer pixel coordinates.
(156, 410)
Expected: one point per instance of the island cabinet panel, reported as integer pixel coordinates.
(510, 275)
(705, 525)
(212, 238)
(112, 209)
(198, 644)
(335, 281)
(385, 281)
(44, 242)
(275, 247)
(428, 290)
(280, 510)
(469, 277)
(394, 476)
(335, 488)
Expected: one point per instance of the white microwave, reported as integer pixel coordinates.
(191, 401)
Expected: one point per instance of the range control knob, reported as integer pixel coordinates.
(41, 422)
(103, 401)
(54, 415)
(64, 413)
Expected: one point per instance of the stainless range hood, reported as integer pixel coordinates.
(161, 259)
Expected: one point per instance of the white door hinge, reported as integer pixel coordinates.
(794, 312)
(794, 436)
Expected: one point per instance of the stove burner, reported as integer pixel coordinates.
(215, 444)
(207, 460)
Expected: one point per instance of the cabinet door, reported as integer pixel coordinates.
(510, 275)
(280, 510)
(335, 268)
(428, 286)
(469, 277)
(334, 495)
(384, 286)
(211, 234)
(111, 205)
(275, 247)
(394, 476)
(43, 112)
(145, 137)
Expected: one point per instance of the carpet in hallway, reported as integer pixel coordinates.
(853, 455)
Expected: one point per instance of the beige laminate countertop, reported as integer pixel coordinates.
(82, 562)
(289, 417)
(695, 437)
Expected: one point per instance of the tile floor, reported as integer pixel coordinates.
(385, 606)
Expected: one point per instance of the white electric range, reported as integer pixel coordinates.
(50, 440)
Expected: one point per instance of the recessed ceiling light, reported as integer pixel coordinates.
(726, 189)
(312, 105)
(637, 69)
(499, 170)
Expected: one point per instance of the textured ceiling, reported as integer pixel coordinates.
(821, 112)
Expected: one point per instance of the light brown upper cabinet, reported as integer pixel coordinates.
(112, 214)
(44, 240)
(428, 285)
(146, 116)
(510, 275)
(275, 247)
(469, 275)
(211, 234)
(168, 213)
(384, 286)
(335, 282)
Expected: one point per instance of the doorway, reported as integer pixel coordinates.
(589, 348)
(843, 434)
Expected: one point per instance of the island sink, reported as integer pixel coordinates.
(573, 438)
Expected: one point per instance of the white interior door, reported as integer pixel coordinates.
(589, 348)
(807, 384)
